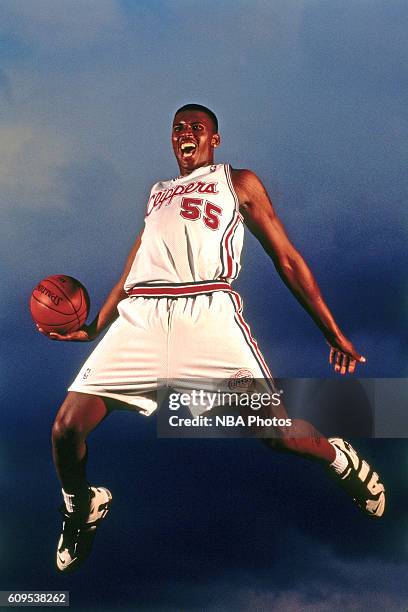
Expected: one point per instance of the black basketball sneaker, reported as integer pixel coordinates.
(360, 481)
(78, 531)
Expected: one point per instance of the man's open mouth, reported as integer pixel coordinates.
(188, 148)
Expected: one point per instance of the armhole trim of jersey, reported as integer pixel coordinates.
(230, 267)
(227, 170)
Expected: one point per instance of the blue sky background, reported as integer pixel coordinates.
(312, 96)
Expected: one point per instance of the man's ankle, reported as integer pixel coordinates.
(77, 501)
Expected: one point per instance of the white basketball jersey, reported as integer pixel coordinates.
(193, 230)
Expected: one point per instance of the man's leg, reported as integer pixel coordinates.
(84, 507)
(344, 464)
(77, 417)
(302, 438)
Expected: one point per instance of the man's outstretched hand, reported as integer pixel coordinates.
(85, 334)
(343, 356)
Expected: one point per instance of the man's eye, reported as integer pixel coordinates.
(197, 127)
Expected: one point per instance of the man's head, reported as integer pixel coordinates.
(200, 107)
(194, 137)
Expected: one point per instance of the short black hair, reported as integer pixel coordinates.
(201, 108)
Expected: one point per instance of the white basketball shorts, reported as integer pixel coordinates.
(160, 341)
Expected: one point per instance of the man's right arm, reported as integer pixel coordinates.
(108, 313)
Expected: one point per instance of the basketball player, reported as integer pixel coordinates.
(175, 316)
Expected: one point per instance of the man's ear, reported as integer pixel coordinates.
(215, 140)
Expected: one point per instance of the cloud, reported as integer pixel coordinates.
(330, 584)
(52, 24)
(328, 599)
(5, 87)
(30, 157)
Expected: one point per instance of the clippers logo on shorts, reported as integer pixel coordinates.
(193, 230)
(241, 380)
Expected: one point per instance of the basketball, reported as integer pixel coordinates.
(59, 304)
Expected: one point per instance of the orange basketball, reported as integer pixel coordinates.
(59, 304)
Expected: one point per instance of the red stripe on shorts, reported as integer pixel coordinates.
(247, 333)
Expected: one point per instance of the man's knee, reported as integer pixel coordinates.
(67, 429)
(67, 425)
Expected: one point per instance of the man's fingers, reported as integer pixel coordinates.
(352, 366)
(345, 360)
(44, 333)
(338, 360)
(354, 355)
(344, 364)
(81, 335)
(354, 359)
(74, 337)
(78, 336)
(55, 336)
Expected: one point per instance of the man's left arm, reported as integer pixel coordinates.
(261, 219)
